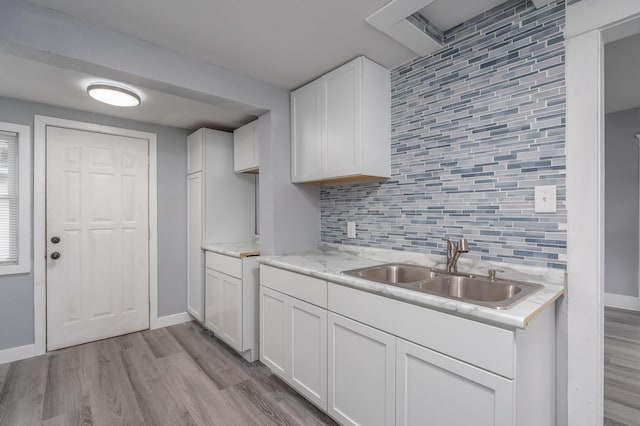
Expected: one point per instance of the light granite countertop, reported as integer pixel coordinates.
(241, 249)
(330, 260)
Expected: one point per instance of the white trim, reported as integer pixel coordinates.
(169, 320)
(621, 301)
(39, 219)
(24, 200)
(596, 15)
(638, 219)
(589, 24)
(17, 353)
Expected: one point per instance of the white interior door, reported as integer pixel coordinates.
(97, 206)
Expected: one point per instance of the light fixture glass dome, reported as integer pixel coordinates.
(113, 95)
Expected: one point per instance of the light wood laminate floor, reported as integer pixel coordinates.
(178, 375)
(621, 367)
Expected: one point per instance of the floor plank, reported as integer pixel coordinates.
(181, 375)
(622, 367)
(161, 342)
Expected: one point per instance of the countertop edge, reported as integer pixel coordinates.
(503, 318)
(240, 250)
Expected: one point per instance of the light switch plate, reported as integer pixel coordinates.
(351, 229)
(545, 199)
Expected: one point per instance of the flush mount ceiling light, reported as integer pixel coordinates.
(113, 95)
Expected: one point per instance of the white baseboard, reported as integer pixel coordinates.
(17, 353)
(621, 301)
(169, 320)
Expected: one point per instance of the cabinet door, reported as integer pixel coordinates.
(361, 373)
(245, 148)
(231, 311)
(308, 346)
(447, 391)
(342, 141)
(194, 152)
(274, 331)
(306, 133)
(213, 288)
(195, 267)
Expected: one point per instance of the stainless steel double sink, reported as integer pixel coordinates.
(494, 293)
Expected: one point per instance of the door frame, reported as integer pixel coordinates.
(39, 218)
(589, 25)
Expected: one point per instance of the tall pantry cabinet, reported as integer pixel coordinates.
(220, 205)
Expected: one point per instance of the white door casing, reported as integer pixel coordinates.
(97, 205)
(39, 218)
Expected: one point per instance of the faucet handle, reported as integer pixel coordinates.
(463, 246)
(492, 273)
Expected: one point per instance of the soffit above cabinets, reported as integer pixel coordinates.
(34, 81)
(446, 14)
(419, 24)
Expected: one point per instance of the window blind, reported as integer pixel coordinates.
(8, 198)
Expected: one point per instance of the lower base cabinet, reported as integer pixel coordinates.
(365, 375)
(445, 391)
(295, 343)
(224, 307)
(231, 302)
(361, 373)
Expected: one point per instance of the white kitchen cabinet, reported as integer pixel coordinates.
(195, 147)
(246, 149)
(220, 206)
(293, 331)
(391, 362)
(308, 346)
(232, 302)
(444, 390)
(293, 343)
(361, 373)
(341, 125)
(195, 289)
(213, 290)
(274, 325)
(306, 133)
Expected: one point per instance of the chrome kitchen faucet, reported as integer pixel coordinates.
(454, 250)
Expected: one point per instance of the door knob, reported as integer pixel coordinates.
(55, 255)
(55, 240)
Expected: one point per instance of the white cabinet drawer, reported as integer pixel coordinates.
(225, 264)
(482, 345)
(308, 289)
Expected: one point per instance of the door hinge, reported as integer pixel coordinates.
(149, 234)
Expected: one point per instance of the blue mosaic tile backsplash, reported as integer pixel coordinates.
(475, 127)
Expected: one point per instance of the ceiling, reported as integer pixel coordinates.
(622, 85)
(38, 82)
(285, 43)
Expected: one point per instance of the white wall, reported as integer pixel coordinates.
(621, 202)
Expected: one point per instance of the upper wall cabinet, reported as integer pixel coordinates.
(341, 125)
(246, 149)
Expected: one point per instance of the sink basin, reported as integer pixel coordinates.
(497, 294)
(393, 273)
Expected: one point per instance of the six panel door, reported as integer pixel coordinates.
(97, 236)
